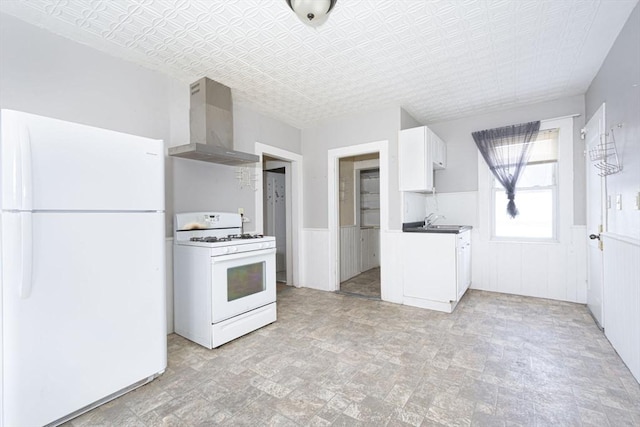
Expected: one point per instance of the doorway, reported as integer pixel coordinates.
(377, 150)
(288, 244)
(359, 212)
(274, 185)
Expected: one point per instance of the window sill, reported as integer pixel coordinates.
(524, 241)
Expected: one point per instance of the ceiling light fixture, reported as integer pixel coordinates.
(312, 12)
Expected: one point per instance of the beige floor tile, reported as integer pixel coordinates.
(334, 359)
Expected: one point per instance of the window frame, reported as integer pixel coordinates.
(554, 209)
(559, 209)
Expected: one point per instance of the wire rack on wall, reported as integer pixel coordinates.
(605, 155)
(247, 178)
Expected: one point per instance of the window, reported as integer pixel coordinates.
(536, 195)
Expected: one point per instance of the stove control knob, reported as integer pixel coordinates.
(225, 250)
(233, 249)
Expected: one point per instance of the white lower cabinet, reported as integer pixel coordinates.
(436, 269)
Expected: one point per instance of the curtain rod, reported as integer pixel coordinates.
(572, 116)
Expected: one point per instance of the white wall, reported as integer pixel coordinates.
(45, 74)
(618, 83)
(344, 132)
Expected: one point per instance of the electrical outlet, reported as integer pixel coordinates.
(619, 202)
(241, 211)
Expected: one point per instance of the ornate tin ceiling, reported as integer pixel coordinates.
(438, 59)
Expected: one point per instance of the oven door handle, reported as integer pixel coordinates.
(240, 255)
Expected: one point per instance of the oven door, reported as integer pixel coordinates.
(242, 282)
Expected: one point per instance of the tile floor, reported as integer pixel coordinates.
(366, 284)
(332, 359)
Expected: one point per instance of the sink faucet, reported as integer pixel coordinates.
(430, 219)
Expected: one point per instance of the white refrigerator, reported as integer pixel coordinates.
(82, 316)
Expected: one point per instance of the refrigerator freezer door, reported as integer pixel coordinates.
(94, 321)
(50, 164)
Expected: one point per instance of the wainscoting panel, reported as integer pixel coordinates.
(545, 270)
(391, 266)
(316, 265)
(349, 252)
(622, 297)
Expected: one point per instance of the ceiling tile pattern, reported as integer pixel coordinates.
(437, 59)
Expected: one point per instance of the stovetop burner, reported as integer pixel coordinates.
(245, 236)
(211, 239)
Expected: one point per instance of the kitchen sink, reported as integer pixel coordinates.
(439, 228)
(445, 227)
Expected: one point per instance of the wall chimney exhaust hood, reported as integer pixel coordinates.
(211, 127)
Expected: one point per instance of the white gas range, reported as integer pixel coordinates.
(224, 280)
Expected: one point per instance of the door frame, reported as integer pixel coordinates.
(333, 192)
(294, 207)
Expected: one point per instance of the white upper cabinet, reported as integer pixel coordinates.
(438, 151)
(420, 152)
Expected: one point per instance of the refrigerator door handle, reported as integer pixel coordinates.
(26, 178)
(16, 168)
(26, 255)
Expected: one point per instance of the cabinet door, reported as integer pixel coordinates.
(439, 150)
(463, 263)
(429, 266)
(415, 164)
(460, 263)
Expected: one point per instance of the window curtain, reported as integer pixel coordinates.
(506, 151)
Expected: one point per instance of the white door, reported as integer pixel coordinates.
(596, 217)
(275, 217)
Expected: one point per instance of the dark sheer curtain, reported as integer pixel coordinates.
(506, 151)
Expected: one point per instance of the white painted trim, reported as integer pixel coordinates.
(333, 170)
(446, 307)
(294, 238)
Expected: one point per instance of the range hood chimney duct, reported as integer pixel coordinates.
(211, 127)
